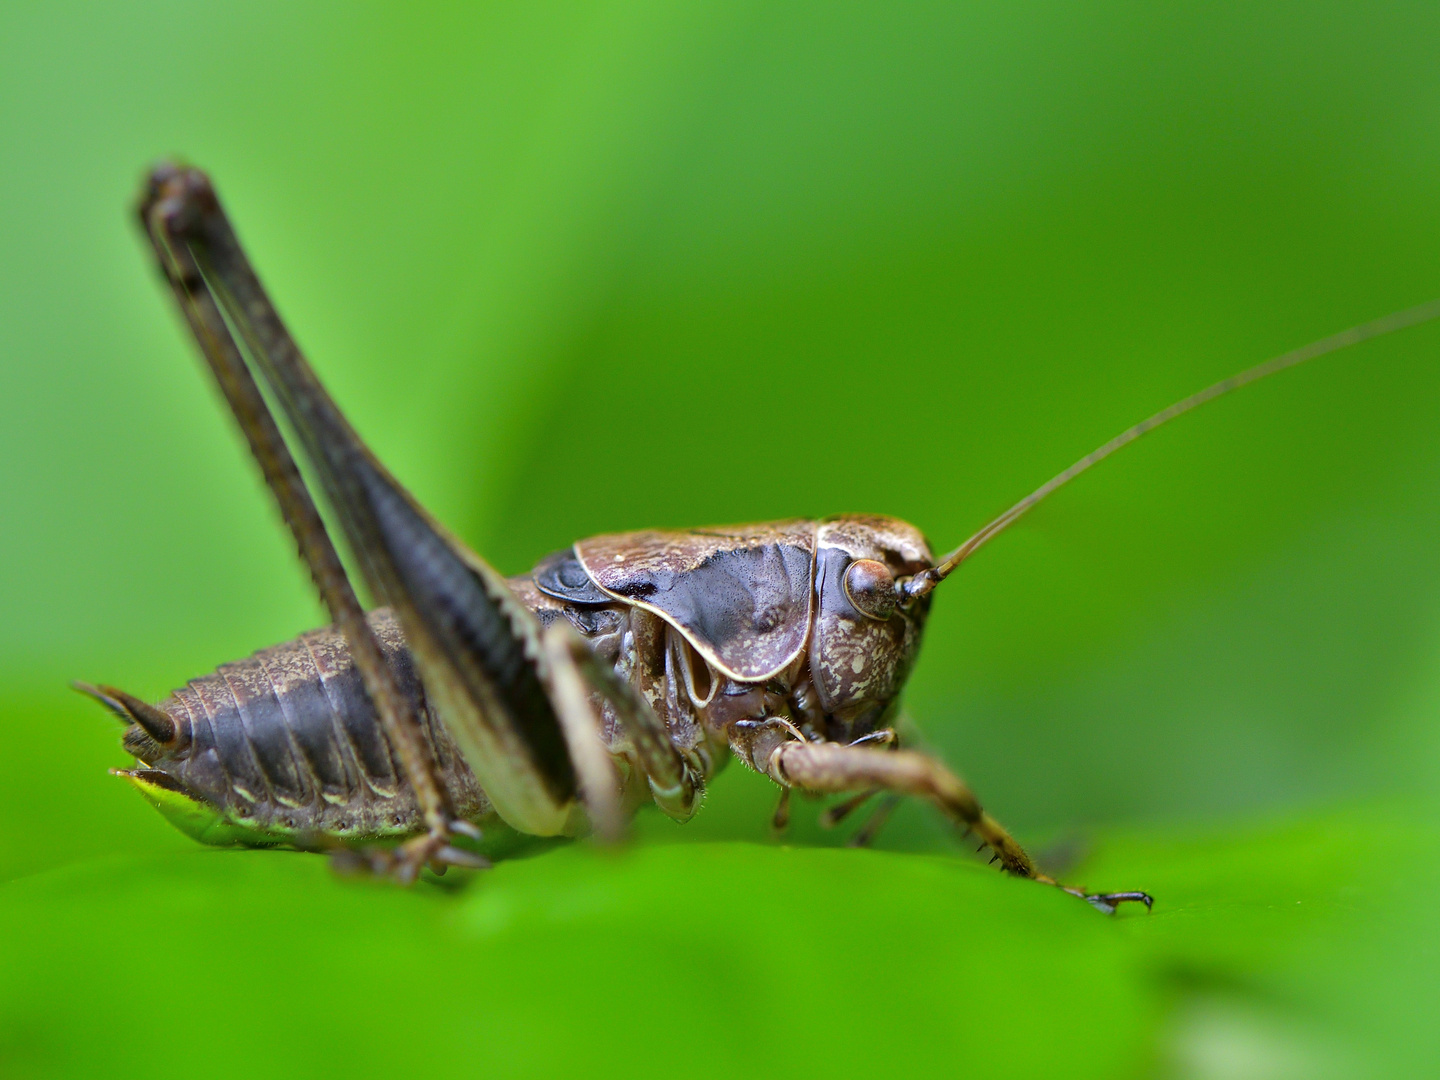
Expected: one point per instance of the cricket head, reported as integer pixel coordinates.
(867, 629)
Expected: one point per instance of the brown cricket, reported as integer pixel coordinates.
(627, 668)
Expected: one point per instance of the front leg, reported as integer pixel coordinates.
(834, 768)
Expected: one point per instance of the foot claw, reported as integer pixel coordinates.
(1108, 902)
(404, 863)
(453, 856)
(466, 828)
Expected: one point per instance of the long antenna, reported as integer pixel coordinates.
(926, 580)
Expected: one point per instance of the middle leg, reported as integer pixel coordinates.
(574, 674)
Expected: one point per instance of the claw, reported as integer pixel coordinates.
(453, 856)
(466, 828)
(1108, 902)
(404, 863)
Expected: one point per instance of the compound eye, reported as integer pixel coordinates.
(871, 588)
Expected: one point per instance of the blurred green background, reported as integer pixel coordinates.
(581, 267)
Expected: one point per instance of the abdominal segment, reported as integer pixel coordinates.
(285, 747)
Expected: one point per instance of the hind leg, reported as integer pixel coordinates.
(475, 646)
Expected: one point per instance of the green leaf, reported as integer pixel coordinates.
(1264, 951)
(575, 267)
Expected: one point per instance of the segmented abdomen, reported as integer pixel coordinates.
(288, 741)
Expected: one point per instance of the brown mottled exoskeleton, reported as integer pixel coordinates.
(625, 669)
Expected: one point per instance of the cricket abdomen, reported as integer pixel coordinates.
(285, 747)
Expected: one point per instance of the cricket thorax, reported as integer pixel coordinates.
(796, 626)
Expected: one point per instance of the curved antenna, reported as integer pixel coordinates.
(925, 581)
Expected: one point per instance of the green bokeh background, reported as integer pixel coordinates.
(581, 267)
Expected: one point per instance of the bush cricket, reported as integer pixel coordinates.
(625, 669)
